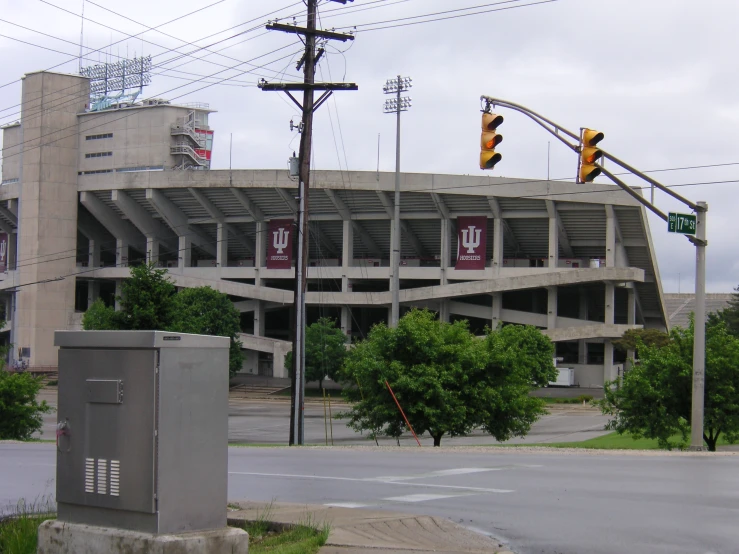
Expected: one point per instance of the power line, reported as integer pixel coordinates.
(129, 115)
(175, 49)
(399, 22)
(117, 42)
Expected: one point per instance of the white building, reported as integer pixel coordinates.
(85, 194)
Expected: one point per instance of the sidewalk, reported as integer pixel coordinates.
(356, 531)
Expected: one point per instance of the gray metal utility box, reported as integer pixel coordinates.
(143, 430)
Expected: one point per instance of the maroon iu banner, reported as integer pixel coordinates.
(280, 244)
(3, 252)
(471, 242)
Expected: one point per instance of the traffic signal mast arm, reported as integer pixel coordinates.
(556, 129)
(587, 140)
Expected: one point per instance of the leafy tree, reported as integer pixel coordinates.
(654, 398)
(101, 317)
(447, 381)
(20, 411)
(729, 315)
(205, 311)
(632, 338)
(146, 302)
(325, 351)
(518, 359)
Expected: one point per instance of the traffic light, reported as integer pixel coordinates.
(589, 154)
(489, 140)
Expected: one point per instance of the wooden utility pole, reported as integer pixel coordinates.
(308, 107)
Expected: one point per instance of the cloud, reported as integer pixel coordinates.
(658, 77)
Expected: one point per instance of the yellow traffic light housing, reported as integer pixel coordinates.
(589, 154)
(489, 140)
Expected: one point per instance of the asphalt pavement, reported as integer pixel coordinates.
(538, 502)
(263, 421)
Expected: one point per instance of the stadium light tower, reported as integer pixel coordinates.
(400, 103)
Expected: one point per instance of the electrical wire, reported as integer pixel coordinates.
(114, 43)
(395, 24)
(75, 57)
(103, 113)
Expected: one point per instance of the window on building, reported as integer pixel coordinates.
(100, 136)
(96, 171)
(98, 154)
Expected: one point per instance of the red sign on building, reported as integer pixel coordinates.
(3, 252)
(472, 235)
(280, 244)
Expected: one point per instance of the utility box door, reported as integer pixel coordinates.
(108, 400)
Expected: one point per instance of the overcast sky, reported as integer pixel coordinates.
(658, 77)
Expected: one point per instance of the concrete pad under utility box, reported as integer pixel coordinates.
(59, 537)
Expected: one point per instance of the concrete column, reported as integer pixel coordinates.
(553, 242)
(631, 320)
(184, 254)
(347, 254)
(260, 254)
(47, 209)
(259, 319)
(497, 245)
(93, 292)
(608, 369)
(446, 250)
(152, 251)
(582, 345)
(497, 309)
(121, 253)
(222, 245)
(610, 303)
(610, 238)
(551, 307)
(346, 320)
(93, 254)
(118, 294)
(278, 363)
(444, 311)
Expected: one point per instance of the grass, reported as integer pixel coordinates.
(305, 538)
(613, 441)
(18, 533)
(577, 400)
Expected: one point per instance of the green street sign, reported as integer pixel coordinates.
(681, 223)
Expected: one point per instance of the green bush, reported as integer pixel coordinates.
(20, 412)
(19, 532)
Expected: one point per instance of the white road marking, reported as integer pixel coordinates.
(352, 505)
(455, 471)
(368, 480)
(421, 497)
(441, 473)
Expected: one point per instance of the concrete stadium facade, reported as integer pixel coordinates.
(86, 194)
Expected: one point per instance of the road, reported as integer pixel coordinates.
(539, 502)
(257, 421)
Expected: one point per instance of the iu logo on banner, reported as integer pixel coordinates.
(280, 244)
(3, 252)
(472, 235)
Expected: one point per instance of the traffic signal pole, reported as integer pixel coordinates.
(699, 331)
(699, 240)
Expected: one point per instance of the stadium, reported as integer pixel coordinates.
(87, 193)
